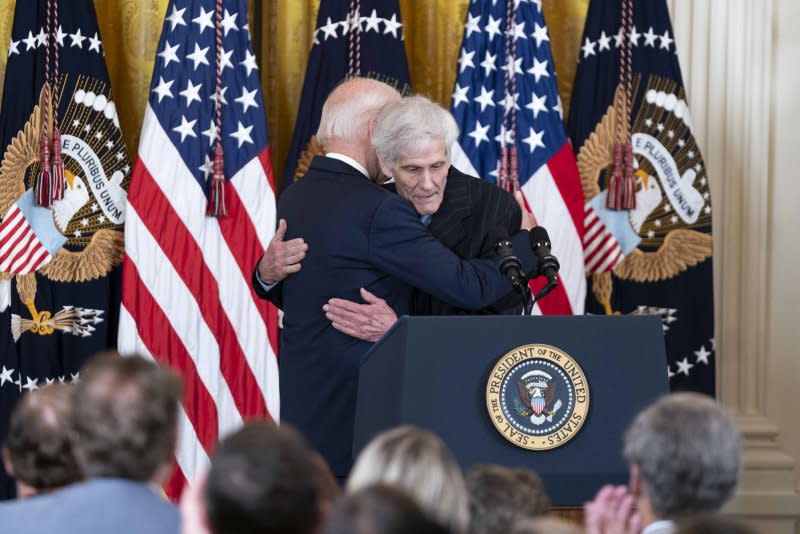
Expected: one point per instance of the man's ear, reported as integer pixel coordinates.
(385, 169)
(7, 463)
(635, 483)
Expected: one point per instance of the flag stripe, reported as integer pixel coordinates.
(551, 211)
(599, 246)
(38, 260)
(158, 275)
(13, 217)
(205, 261)
(610, 261)
(565, 171)
(24, 241)
(168, 345)
(25, 249)
(22, 229)
(182, 252)
(34, 251)
(191, 456)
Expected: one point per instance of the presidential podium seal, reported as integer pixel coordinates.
(537, 397)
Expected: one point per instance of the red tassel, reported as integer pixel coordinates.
(629, 184)
(216, 194)
(614, 182)
(57, 172)
(42, 193)
(622, 184)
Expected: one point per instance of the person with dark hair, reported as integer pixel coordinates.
(685, 456)
(500, 496)
(124, 415)
(38, 448)
(380, 509)
(263, 479)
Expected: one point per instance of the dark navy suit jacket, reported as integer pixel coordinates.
(358, 235)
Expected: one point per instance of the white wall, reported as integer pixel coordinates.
(741, 64)
(783, 331)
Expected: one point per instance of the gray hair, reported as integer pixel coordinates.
(350, 106)
(421, 464)
(688, 453)
(407, 126)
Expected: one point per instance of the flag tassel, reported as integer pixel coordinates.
(41, 187)
(57, 169)
(216, 195)
(622, 184)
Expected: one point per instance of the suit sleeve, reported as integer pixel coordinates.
(273, 294)
(401, 246)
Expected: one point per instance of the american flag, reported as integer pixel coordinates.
(187, 299)
(505, 100)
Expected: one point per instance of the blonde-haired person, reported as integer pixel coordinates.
(420, 463)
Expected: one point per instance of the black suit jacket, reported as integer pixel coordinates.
(471, 208)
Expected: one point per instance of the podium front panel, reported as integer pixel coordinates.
(432, 372)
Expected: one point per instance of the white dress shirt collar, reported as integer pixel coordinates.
(350, 161)
(659, 527)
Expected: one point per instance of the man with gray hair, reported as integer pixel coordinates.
(412, 142)
(685, 457)
(358, 237)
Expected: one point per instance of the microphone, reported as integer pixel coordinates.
(540, 244)
(509, 264)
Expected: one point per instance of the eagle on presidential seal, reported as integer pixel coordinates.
(669, 230)
(79, 237)
(537, 391)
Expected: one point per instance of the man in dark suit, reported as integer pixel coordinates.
(124, 419)
(359, 236)
(461, 211)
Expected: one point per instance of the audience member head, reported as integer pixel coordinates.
(124, 418)
(544, 525)
(713, 524)
(412, 140)
(499, 496)
(38, 449)
(348, 120)
(380, 509)
(420, 463)
(266, 479)
(685, 455)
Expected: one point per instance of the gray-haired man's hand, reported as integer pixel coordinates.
(367, 322)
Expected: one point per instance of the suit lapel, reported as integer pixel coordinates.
(448, 224)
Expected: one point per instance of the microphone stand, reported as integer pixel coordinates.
(527, 301)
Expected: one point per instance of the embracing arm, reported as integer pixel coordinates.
(401, 246)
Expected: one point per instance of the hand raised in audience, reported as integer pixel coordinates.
(611, 512)
(282, 258)
(367, 322)
(193, 510)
